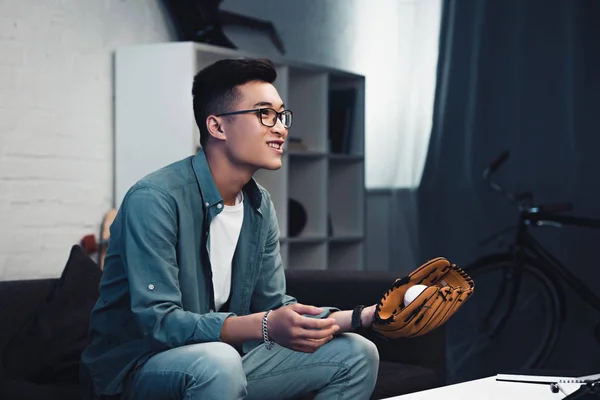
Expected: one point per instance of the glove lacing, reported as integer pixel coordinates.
(395, 285)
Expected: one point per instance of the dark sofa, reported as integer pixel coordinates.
(43, 328)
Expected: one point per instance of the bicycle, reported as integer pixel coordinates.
(516, 289)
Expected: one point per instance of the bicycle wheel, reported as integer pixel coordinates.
(485, 338)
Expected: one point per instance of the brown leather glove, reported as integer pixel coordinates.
(448, 289)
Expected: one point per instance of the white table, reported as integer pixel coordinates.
(485, 389)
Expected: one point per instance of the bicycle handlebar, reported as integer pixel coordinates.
(555, 207)
(487, 173)
(524, 199)
(585, 222)
(545, 214)
(496, 163)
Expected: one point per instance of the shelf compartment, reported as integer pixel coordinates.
(308, 255)
(346, 199)
(346, 256)
(345, 114)
(308, 185)
(346, 239)
(308, 102)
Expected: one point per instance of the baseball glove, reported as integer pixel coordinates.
(448, 289)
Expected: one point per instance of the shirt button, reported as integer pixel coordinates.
(219, 205)
(151, 286)
(207, 204)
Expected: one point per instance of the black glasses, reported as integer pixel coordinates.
(268, 116)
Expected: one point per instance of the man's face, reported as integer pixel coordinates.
(248, 142)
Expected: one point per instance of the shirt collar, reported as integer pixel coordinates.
(208, 189)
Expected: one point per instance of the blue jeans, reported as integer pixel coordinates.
(344, 368)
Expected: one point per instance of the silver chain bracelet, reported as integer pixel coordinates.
(268, 343)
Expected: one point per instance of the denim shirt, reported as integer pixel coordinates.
(156, 291)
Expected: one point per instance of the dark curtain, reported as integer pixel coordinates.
(522, 76)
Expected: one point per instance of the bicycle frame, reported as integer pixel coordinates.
(527, 254)
(527, 244)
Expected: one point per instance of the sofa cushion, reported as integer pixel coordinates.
(18, 301)
(47, 348)
(23, 390)
(394, 379)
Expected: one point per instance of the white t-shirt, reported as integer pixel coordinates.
(225, 230)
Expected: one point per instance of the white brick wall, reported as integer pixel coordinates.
(56, 122)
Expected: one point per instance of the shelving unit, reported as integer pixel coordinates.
(154, 126)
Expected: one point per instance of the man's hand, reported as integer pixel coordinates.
(288, 327)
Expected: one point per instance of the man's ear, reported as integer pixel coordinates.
(215, 127)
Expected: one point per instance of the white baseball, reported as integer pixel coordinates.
(412, 293)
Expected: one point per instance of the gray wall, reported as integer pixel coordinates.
(392, 230)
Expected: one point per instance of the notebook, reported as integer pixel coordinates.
(547, 377)
(526, 378)
(569, 386)
(581, 379)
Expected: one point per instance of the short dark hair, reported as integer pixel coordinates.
(215, 86)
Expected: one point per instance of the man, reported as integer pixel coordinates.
(192, 299)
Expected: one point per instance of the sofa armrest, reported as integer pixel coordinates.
(345, 289)
(18, 302)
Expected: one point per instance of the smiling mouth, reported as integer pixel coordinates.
(275, 145)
